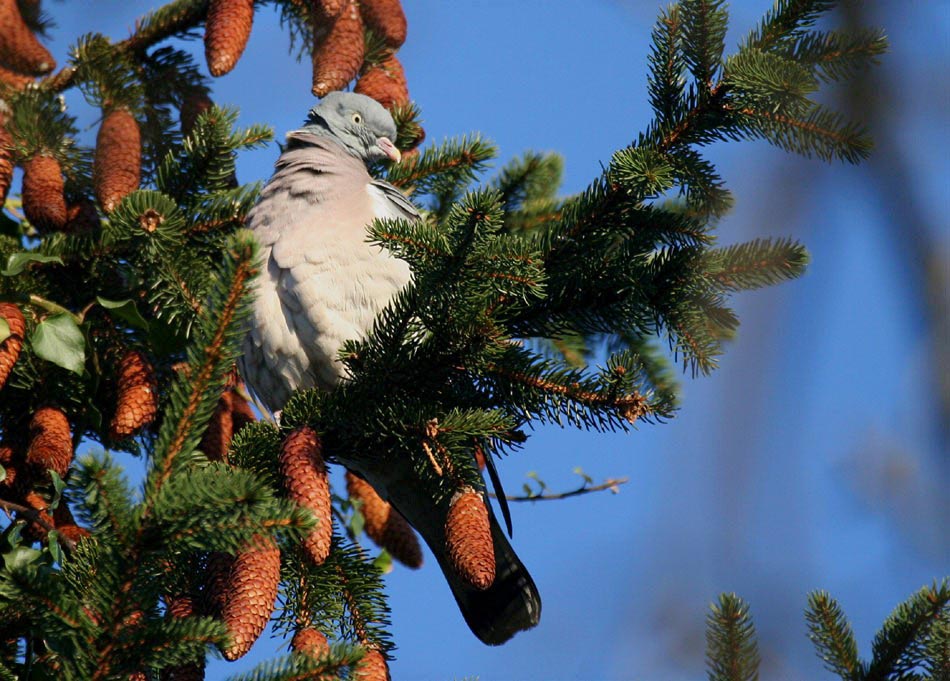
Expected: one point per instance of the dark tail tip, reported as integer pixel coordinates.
(511, 604)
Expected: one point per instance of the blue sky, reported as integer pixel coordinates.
(807, 461)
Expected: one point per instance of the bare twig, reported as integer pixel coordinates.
(33, 515)
(611, 484)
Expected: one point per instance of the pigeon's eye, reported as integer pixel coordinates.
(357, 118)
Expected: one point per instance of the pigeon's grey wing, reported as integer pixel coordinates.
(392, 203)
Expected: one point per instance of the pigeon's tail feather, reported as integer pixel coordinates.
(511, 604)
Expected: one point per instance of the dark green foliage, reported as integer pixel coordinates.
(912, 644)
(731, 650)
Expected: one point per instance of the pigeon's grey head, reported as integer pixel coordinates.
(358, 122)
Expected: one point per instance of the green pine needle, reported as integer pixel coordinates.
(731, 650)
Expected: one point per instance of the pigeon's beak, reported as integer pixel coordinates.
(389, 149)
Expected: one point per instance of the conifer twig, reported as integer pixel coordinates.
(33, 515)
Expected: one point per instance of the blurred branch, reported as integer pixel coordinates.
(610, 484)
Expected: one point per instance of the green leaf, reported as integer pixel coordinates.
(17, 262)
(21, 557)
(58, 339)
(3, 473)
(55, 550)
(58, 486)
(383, 562)
(4, 329)
(356, 522)
(124, 310)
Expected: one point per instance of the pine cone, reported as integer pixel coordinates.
(11, 345)
(309, 641)
(19, 48)
(180, 607)
(305, 479)
(36, 531)
(10, 465)
(338, 49)
(137, 402)
(387, 19)
(6, 160)
(226, 32)
(43, 200)
(195, 103)
(14, 79)
(217, 574)
(250, 594)
(115, 172)
(66, 525)
(384, 524)
(330, 9)
(217, 437)
(82, 217)
(241, 412)
(372, 667)
(51, 443)
(468, 539)
(385, 82)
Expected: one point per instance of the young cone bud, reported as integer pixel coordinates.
(51, 443)
(372, 667)
(6, 161)
(137, 402)
(468, 539)
(309, 641)
(43, 200)
(66, 524)
(305, 479)
(384, 524)
(385, 82)
(217, 438)
(387, 19)
(338, 49)
(250, 594)
(226, 32)
(19, 48)
(10, 347)
(118, 162)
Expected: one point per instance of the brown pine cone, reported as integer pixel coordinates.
(19, 48)
(250, 594)
(309, 641)
(36, 531)
(217, 437)
(468, 539)
(66, 525)
(6, 160)
(51, 443)
(385, 82)
(43, 200)
(226, 32)
(384, 524)
(12, 344)
(305, 479)
(330, 9)
(137, 401)
(217, 574)
(82, 217)
(7, 456)
(180, 607)
(14, 79)
(115, 172)
(241, 412)
(387, 19)
(338, 49)
(195, 103)
(372, 667)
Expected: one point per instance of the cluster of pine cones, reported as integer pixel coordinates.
(339, 46)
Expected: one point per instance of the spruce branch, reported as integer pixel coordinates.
(831, 633)
(731, 650)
